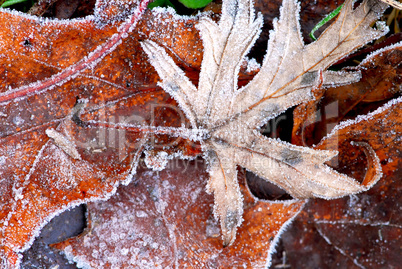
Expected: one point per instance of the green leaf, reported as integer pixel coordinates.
(195, 3)
(160, 3)
(329, 17)
(12, 2)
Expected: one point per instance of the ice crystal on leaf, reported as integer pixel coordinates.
(232, 116)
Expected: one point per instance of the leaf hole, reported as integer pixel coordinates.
(280, 126)
(27, 43)
(263, 189)
(356, 4)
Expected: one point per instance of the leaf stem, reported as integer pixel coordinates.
(183, 132)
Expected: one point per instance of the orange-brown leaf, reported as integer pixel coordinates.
(381, 80)
(165, 219)
(60, 62)
(360, 231)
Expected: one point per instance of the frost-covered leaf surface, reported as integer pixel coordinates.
(107, 68)
(74, 127)
(359, 231)
(232, 116)
(381, 81)
(164, 220)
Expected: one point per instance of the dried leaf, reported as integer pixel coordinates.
(393, 3)
(39, 178)
(163, 219)
(359, 231)
(380, 81)
(311, 12)
(109, 73)
(231, 116)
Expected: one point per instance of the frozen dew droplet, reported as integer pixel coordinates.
(18, 121)
(156, 162)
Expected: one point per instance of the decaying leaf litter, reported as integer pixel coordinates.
(232, 116)
(284, 106)
(358, 231)
(148, 225)
(32, 181)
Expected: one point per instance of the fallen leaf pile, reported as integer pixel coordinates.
(230, 117)
(81, 112)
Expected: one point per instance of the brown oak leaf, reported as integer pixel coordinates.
(359, 231)
(96, 59)
(381, 80)
(164, 219)
(76, 126)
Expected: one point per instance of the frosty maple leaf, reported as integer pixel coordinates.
(231, 117)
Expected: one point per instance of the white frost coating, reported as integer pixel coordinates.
(171, 11)
(252, 65)
(80, 261)
(368, 117)
(159, 161)
(288, 73)
(274, 242)
(361, 222)
(3, 160)
(106, 82)
(133, 168)
(340, 249)
(231, 139)
(17, 199)
(141, 214)
(340, 78)
(156, 162)
(36, 232)
(86, 62)
(73, 204)
(380, 51)
(17, 120)
(194, 134)
(132, 233)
